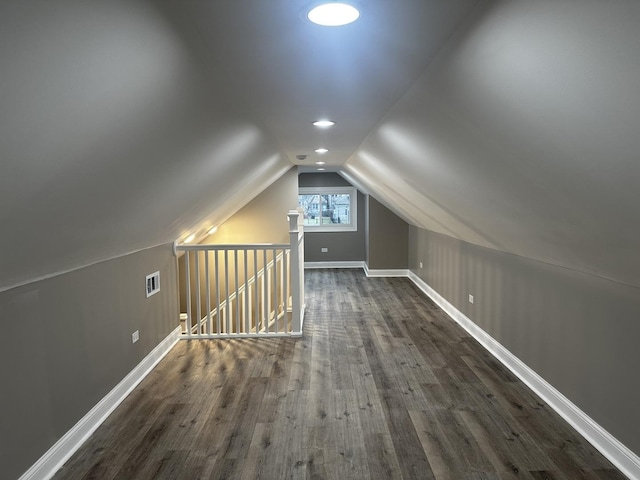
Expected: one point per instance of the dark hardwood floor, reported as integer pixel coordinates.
(382, 385)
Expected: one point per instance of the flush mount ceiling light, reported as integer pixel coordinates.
(212, 230)
(320, 169)
(190, 238)
(333, 14)
(320, 163)
(324, 123)
(321, 150)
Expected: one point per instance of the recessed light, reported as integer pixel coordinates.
(212, 230)
(324, 123)
(320, 169)
(333, 14)
(190, 238)
(321, 150)
(320, 163)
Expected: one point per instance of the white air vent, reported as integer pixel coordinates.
(153, 283)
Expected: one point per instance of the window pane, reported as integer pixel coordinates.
(336, 208)
(328, 210)
(310, 207)
(341, 204)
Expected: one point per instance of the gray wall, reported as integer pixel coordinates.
(578, 331)
(387, 237)
(343, 246)
(66, 342)
(117, 137)
(262, 220)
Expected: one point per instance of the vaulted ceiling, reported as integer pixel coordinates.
(509, 124)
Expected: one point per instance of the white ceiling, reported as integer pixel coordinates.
(284, 72)
(513, 125)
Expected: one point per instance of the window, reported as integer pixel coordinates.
(329, 209)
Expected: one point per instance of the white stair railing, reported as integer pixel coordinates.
(248, 290)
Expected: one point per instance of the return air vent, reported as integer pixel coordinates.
(153, 284)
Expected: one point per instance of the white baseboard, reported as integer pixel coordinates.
(385, 272)
(302, 310)
(623, 458)
(334, 264)
(62, 450)
(356, 264)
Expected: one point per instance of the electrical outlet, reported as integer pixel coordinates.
(420, 264)
(135, 336)
(324, 249)
(470, 298)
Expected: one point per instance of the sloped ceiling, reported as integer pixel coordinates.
(514, 125)
(524, 136)
(111, 140)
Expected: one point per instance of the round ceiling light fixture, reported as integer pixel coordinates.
(321, 150)
(333, 14)
(324, 123)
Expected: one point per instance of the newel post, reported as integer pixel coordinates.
(296, 241)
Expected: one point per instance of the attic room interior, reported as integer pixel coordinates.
(469, 273)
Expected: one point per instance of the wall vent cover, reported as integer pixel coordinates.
(153, 283)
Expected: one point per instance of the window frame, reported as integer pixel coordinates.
(334, 227)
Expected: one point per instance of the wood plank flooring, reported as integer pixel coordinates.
(383, 385)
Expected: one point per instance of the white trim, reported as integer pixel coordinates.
(385, 272)
(349, 264)
(236, 336)
(62, 450)
(618, 454)
(302, 310)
